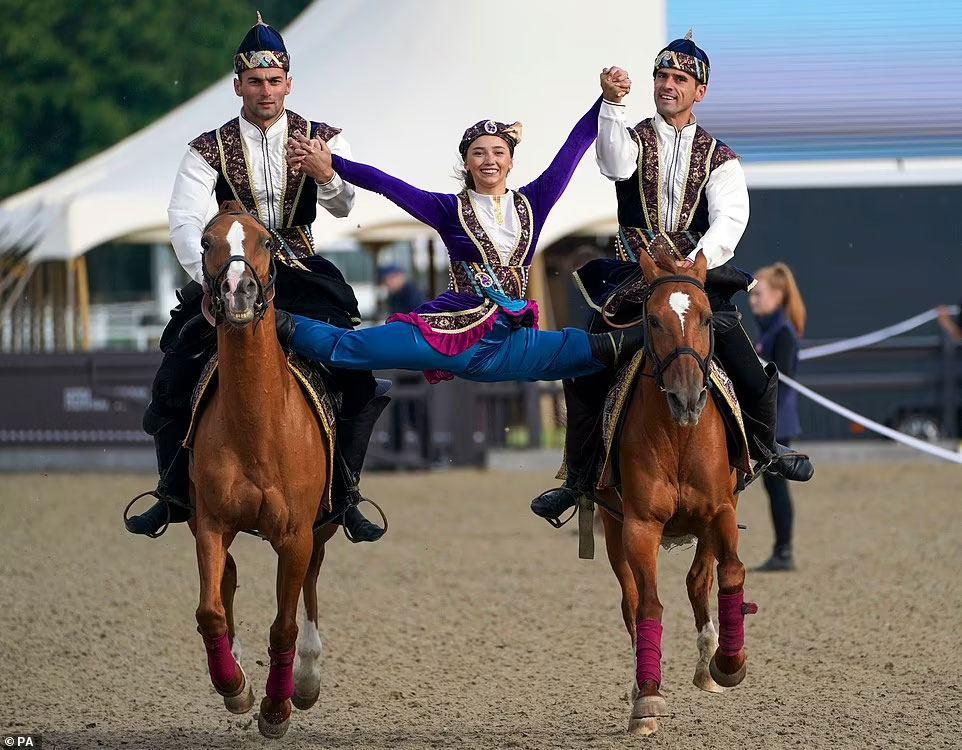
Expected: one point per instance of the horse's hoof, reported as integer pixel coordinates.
(242, 703)
(642, 727)
(243, 700)
(704, 681)
(272, 731)
(727, 680)
(302, 703)
(649, 706)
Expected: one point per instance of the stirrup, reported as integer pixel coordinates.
(156, 495)
(377, 507)
(557, 521)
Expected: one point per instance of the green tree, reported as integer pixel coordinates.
(79, 75)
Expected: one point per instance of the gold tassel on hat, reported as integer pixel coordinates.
(514, 131)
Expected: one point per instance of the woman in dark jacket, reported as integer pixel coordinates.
(778, 307)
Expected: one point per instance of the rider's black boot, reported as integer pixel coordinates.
(353, 436)
(616, 348)
(757, 390)
(584, 398)
(171, 493)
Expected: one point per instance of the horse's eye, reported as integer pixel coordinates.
(654, 323)
(205, 243)
(708, 321)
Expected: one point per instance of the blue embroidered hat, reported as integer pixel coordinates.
(684, 55)
(510, 134)
(262, 47)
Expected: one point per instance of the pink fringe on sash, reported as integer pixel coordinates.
(453, 344)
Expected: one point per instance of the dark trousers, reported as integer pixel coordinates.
(780, 502)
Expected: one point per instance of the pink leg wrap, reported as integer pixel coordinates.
(731, 620)
(220, 661)
(280, 681)
(648, 651)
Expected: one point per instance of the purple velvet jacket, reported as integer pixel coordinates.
(481, 284)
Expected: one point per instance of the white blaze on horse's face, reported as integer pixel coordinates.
(680, 302)
(235, 241)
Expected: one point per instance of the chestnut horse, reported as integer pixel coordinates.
(676, 482)
(258, 463)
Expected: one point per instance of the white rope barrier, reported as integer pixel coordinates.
(873, 337)
(881, 429)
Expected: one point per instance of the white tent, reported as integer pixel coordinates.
(403, 79)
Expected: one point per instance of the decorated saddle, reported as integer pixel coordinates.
(309, 377)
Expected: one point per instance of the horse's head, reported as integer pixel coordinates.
(238, 267)
(679, 340)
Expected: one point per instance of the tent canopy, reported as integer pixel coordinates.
(403, 80)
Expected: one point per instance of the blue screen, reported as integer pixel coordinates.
(845, 79)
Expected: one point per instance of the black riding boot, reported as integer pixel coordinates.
(760, 420)
(584, 398)
(351, 441)
(616, 348)
(171, 493)
(757, 390)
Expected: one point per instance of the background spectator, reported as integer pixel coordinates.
(403, 295)
(780, 311)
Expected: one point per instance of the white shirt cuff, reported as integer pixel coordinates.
(330, 188)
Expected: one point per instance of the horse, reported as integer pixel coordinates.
(258, 462)
(676, 482)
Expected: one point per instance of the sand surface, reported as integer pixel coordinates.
(472, 624)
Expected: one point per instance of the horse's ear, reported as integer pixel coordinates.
(231, 206)
(648, 266)
(701, 265)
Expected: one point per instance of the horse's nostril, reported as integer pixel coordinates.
(225, 286)
(249, 286)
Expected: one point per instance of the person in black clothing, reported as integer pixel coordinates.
(780, 311)
(403, 295)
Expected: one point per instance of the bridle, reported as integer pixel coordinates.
(212, 283)
(660, 365)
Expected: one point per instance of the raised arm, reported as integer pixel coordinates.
(615, 150)
(315, 158)
(423, 205)
(547, 188)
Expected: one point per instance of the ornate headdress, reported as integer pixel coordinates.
(510, 134)
(263, 47)
(684, 55)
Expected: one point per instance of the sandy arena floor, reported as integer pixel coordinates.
(474, 625)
